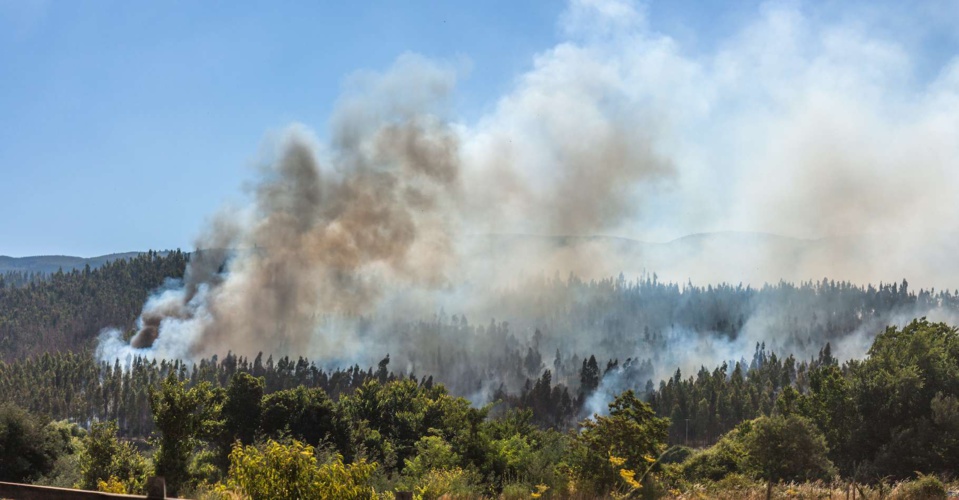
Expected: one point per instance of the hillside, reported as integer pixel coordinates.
(66, 311)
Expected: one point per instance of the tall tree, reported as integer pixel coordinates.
(105, 458)
(786, 448)
(241, 412)
(186, 419)
(28, 447)
(631, 432)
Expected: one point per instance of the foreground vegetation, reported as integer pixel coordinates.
(890, 418)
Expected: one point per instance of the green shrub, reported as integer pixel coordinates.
(28, 447)
(923, 488)
(516, 491)
(432, 452)
(728, 456)
(735, 483)
(66, 469)
(106, 459)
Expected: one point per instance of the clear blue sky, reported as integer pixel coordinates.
(123, 125)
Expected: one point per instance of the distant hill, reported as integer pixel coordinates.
(47, 264)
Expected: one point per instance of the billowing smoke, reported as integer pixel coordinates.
(817, 130)
(324, 241)
(381, 216)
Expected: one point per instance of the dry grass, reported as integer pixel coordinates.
(757, 491)
(747, 490)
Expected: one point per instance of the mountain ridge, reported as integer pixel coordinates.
(47, 264)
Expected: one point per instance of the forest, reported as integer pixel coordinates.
(515, 409)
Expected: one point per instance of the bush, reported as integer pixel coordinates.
(66, 469)
(516, 491)
(111, 485)
(923, 488)
(432, 452)
(28, 447)
(726, 457)
(65, 474)
(735, 483)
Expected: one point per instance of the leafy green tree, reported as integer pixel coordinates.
(28, 447)
(66, 469)
(907, 379)
(241, 412)
(631, 432)
(945, 416)
(186, 419)
(306, 414)
(786, 448)
(829, 404)
(389, 419)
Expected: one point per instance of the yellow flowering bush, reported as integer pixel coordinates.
(629, 476)
(540, 489)
(111, 485)
(290, 471)
(448, 483)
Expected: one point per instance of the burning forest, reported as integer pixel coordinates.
(640, 261)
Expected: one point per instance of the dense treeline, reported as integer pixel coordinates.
(557, 323)
(629, 312)
(218, 430)
(66, 310)
(892, 414)
(76, 387)
(711, 403)
(21, 278)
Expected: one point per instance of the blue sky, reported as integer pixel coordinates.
(123, 125)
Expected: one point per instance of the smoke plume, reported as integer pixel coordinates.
(816, 129)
